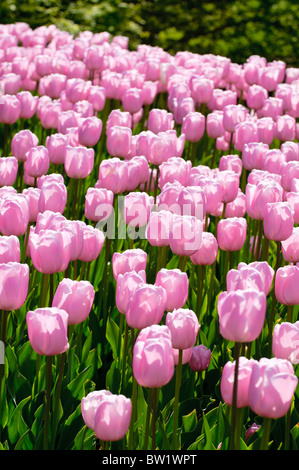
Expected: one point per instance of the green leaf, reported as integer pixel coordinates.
(16, 425)
(112, 335)
(76, 386)
(189, 422)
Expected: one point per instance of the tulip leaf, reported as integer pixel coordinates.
(112, 335)
(16, 425)
(189, 422)
(76, 386)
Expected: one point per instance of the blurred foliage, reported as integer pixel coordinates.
(230, 28)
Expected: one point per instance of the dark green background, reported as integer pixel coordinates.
(235, 29)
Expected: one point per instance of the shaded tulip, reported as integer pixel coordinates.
(285, 341)
(200, 358)
(158, 228)
(10, 109)
(113, 175)
(259, 195)
(176, 284)
(76, 298)
(9, 249)
(37, 161)
(53, 197)
(241, 314)
(137, 208)
(89, 131)
(271, 388)
(14, 285)
(193, 126)
(290, 247)
(47, 330)
(160, 120)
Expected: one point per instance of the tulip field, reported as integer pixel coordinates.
(149, 247)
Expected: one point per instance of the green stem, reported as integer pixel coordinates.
(125, 353)
(272, 313)
(289, 313)
(57, 397)
(134, 400)
(176, 399)
(48, 400)
(200, 277)
(147, 423)
(235, 443)
(266, 434)
(154, 416)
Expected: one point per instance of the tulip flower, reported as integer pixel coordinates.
(183, 325)
(271, 388)
(47, 251)
(22, 142)
(129, 260)
(9, 249)
(98, 204)
(14, 214)
(158, 228)
(125, 285)
(231, 233)
(8, 171)
(185, 235)
(227, 381)
(200, 358)
(286, 280)
(47, 330)
(153, 362)
(285, 341)
(76, 298)
(108, 415)
(113, 175)
(241, 314)
(14, 285)
(176, 284)
(146, 306)
(78, 161)
(278, 221)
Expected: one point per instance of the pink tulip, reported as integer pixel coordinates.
(176, 284)
(146, 306)
(159, 120)
(98, 204)
(47, 330)
(14, 214)
(278, 221)
(118, 118)
(241, 314)
(201, 89)
(231, 233)
(108, 415)
(244, 376)
(185, 235)
(271, 387)
(153, 361)
(53, 197)
(214, 124)
(285, 128)
(97, 97)
(290, 247)
(8, 171)
(113, 175)
(78, 162)
(186, 355)
(265, 271)
(28, 104)
(183, 325)
(232, 163)
(37, 161)
(33, 195)
(207, 253)
(290, 150)
(56, 145)
(10, 109)
(213, 190)
(193, 126)
(93, 241)
(229, 183)
(200, 358)
(285, 341)
(272, 107)
(89, 131)
(233, 115)
(76, 298)
(14, 285)
(129, 260)
(125, 285)
(253, 155)
(137, 208)
(286, 281)
(255, 96)
(158, 228)
(259, 195)
(22, 142)
(132, 100)
(237, 207)
(47, 251)
(174, 169)
(192, 201)
(265, 129)
(138, 170)
(9, 249)
(245, 132)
